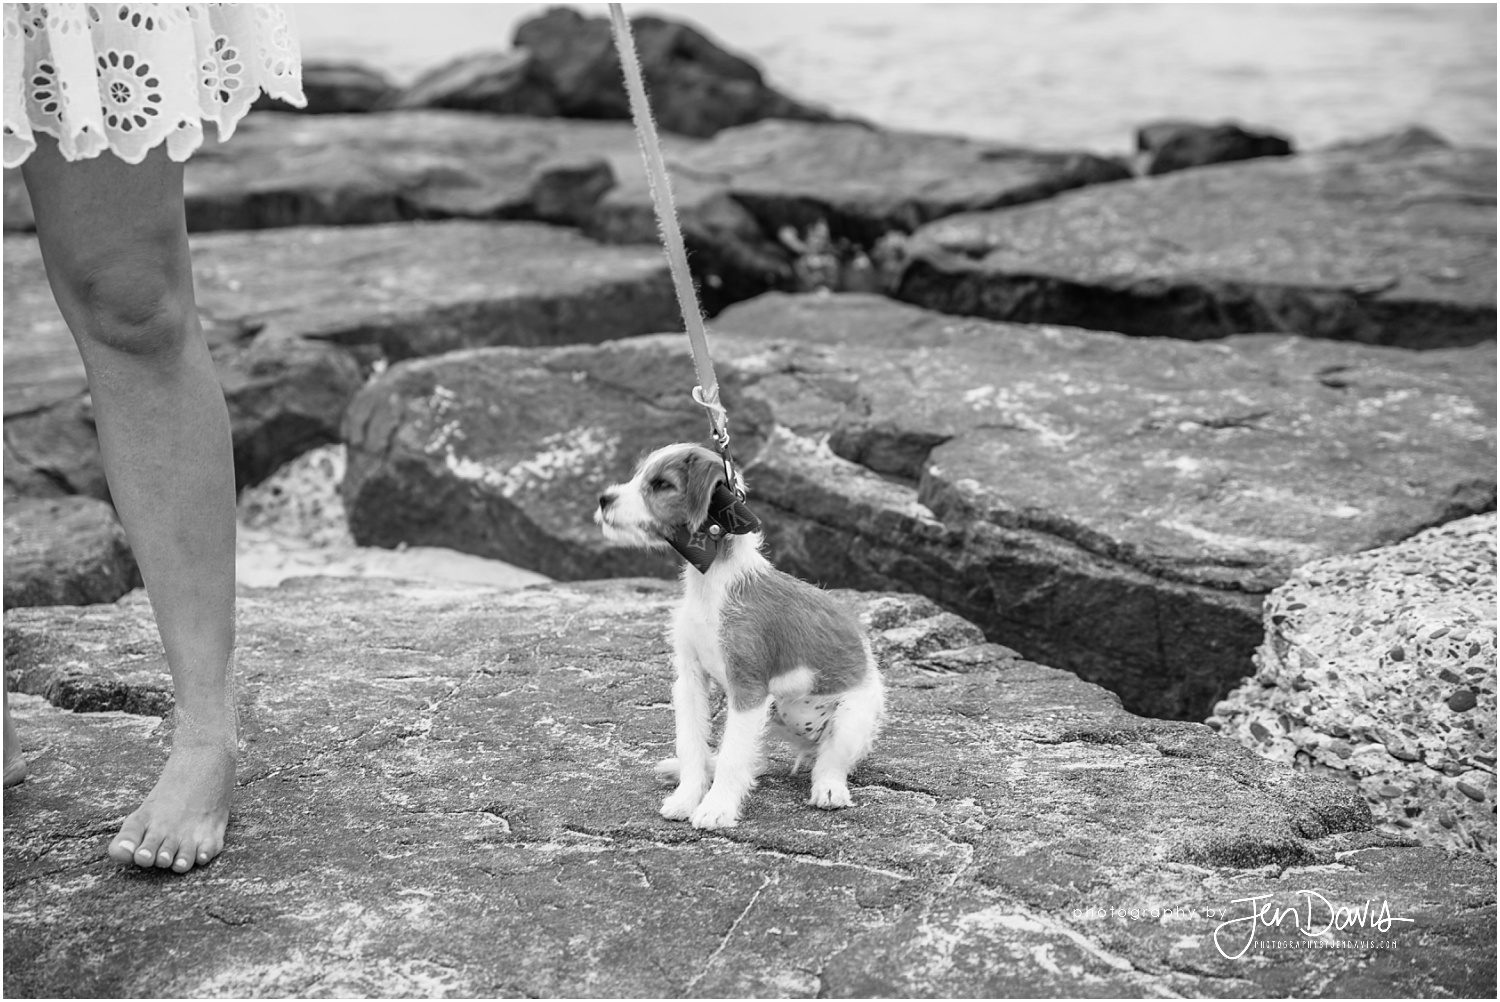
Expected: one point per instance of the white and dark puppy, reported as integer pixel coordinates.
(788, 656)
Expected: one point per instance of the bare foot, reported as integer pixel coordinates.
(15, 765)
(181, 824)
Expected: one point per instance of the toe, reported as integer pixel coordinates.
(122, 849)
(166, 854)
(147, 848)
(208, 847)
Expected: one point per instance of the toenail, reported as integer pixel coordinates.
(182, 864)
(127, 845)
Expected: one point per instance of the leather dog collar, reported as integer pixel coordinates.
(727, 516)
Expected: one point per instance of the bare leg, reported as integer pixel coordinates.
(114, 240)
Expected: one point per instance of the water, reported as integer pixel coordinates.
(1046, 75)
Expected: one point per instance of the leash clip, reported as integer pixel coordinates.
(718, 430)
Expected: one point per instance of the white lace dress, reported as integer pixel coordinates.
(128, 77)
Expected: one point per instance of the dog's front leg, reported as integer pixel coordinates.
(737, 766)
(690, 703)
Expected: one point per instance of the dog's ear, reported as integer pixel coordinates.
(704, 472)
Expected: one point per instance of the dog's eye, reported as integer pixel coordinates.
(663, 484)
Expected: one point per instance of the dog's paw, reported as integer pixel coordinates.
(714, 814)
(830, 797)
(680, 804)
(666, 771)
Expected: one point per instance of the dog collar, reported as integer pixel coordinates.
(727, 516)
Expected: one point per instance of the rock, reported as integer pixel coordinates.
(285, 396)
(54, 451)
(696, 88)
(336, 170)
(65, 551)
(400, 291)
(503, 453)
(292, 354)
(431, 771)
(1412, 139)
(501, 83)
(797, 174)
(336, 88)
(1117, 506)
(1385, 248)
(1163, 147)
(1395, 645)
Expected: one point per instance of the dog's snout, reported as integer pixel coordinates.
(607, 498)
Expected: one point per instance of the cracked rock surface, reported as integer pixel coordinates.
(1385, 246)
(448, 791)
(1380, 667)
(1114, 506)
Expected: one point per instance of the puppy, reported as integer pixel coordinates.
(789, 658)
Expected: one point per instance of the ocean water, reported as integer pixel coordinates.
(1044, 75)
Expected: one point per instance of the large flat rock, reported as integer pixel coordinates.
(1386, 246)
(1117, 506)
(296, 317)
(866, 182)
(449, 792)
(284, 169)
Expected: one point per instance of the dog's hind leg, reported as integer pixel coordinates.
(850, 734)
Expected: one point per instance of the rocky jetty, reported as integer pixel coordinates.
(1114, 506)
(448, 791)
(1380, 666)
(1112, 427)
(1385, 246)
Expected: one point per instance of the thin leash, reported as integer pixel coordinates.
(706, 393)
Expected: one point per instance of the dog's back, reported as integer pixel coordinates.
(778, 624)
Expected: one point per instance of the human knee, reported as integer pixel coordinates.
(134, 306)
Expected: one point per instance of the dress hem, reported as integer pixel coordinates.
(223, 131)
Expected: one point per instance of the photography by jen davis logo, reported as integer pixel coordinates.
(1313, 922)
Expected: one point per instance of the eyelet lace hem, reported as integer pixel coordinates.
(129, 77)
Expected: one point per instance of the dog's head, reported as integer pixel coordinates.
(672, 490)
